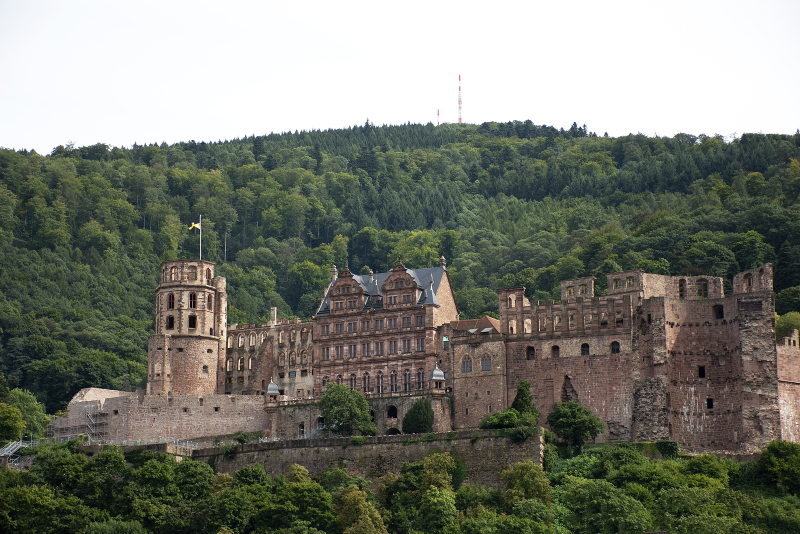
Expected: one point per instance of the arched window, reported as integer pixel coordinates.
(554, 352)
(250, 363)
(391, 412)
(486, 362)
(353, 381)
(210, 303)
(512, 301)
(393, 381)
(748, 283)
(379, 383)
(230, 342)
(170, 322)
(208, 274)
(365, 382)
(280, 336)
(339, 379)
(531, 354)
(170, 301)
(466, 365)
(205, 369)
(512, 327)
(173, 274)
(681, 289)
(614, 347)
(585, 349)
(229, 365)
(252, 340)
(407, 380)
(324, 381)
(527, 326)
(240, 365)
(420, 379)
(241, 340)
(301, 430)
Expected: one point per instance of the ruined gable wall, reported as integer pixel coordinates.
(789, 386)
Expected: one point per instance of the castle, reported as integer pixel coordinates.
(656, 357)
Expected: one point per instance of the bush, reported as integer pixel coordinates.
(574, 423)
(358, 440)
(669, 449)
(243, 437)
(781, 460)
(419, 419)
(508, 418)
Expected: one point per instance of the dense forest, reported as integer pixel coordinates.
(83, 229)
(606, 489)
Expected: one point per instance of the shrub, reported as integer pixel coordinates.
(669, 449)
(243, 437)
(419, 419)
(358, 440)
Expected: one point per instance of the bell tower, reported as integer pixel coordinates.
(185, 353)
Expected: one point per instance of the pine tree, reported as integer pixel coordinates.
(419, 419)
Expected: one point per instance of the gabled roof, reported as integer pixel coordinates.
(428, 279)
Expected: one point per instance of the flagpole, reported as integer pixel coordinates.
(201, 237)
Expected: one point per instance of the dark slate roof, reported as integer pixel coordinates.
(374, 294)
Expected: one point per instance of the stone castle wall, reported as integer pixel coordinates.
(484, 455)
(789, 386)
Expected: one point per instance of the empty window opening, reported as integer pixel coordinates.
(170, 322)
(192, 321)
(619, 319)
(614, 347)
(205, 370)
(512, 301)
(649, 319)
(702, 289)
(554, 352)
(681, 289)
(701, 371)
(391, 412)
(710, 404)
(568, 392)
(216, 408)
(531, 354)
(585, 349)
(512, 327)
(719, 311)
(301, 430)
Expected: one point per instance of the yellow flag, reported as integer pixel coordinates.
(194, 225)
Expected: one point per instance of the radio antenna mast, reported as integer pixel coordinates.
(459, 99)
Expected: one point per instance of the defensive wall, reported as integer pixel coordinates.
(789, 386)
(484, 454)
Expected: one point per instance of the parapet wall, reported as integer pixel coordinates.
(484, 455)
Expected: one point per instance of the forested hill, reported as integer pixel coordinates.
(83, 229)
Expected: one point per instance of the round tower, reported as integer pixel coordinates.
(185, 353)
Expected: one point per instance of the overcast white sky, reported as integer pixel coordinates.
(152, 71)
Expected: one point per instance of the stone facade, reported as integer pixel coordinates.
(656, 357)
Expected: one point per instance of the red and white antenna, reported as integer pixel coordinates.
(459, 99)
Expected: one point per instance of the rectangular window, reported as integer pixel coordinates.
(352, 351)
(339, 352)
(292, 374)
(326, 329)
(446, 342)
(420, 320)
(192, 321)
(326, 353)
(406, 322)
(630, 282)
(701, 371)
(393, 347)
(379, 348)
(406, 345)
(392, 323)
(420, 344)
(365, 349)
(365, 326)
(710, 404)
(379, 324)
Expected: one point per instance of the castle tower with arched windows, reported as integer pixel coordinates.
(187, 350)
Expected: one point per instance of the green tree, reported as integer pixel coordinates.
(523, 402)
(786, 323)
(574, 423)
(526, 480)
(437, 510)
(597, 506)
(419, 419)
(354, 510)
(344, 409)
(781, 460)
(788, 300)
(11, 423)
(33, 412)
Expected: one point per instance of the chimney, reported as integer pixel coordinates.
(273, 316)
(334, 273)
